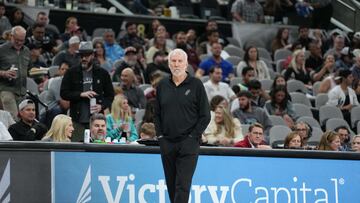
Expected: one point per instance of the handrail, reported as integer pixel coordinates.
(120, 7)
(356, 3)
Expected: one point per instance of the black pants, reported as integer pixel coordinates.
(179, 162)
(321, 17)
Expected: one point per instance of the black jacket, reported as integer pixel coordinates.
(72, 87)
(22, 131)
(181, 110)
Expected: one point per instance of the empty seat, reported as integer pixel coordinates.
(282, 54)
(321, 100)
(316, 134)
(326, 112)
(280, 65)
(310, 121)
(264, 53)
(233, 41)
(235, 81)
(277, 135)
(302, 110)
(296, 86)
(234, 60)
(355, 116)
(298, 97)
(266, 84)
(32, 86)
(277, 120)
(234, 51)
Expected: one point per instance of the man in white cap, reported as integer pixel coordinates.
(27, 129)
(69, 55)
(84, 84)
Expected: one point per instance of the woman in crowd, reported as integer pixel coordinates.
(280, 106)
(17, 18)
(224, 130)
(119, 122)
(293, 141)
(297, 68)
(61, 129)
(304, 130)
(281, 40)
(159, 45)
(100, 56)
(279, 80)
(327, 69)
(71, 24)
(355, 143)
(330, 140)
(251, 59)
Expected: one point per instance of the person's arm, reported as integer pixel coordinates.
(111, 132)
(324, 86)
(67, 92)
(157, 116)
(133, 132)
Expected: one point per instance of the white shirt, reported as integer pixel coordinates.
(221, 89)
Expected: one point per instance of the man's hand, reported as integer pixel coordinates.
(9, 74)
(88, 94)
(96, 108)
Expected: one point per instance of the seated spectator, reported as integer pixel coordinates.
(338, 46)
(249, 114)
(130, 60)
(216, 60)
(281, 40)
(344, 135)
(214, 86)
(16, 18)
(113, 50)
(280, 106)
(4, 133)
(325, 70)
(356, 67)
(27, 128)
(149, 114)
(345, 60)
(259, 95)
(169, 43)
(254, 138)
(342, 95)
(304, 39)
(193, 58)
(6, 119)
(304, 130)
(150, 93)
(211, 25)
(134, 95)
(97, 128)
(279, 80)
(100, 56)
(355, 143)
(330, 141)
(297, 69)
(293, 141)
(315, 60)
(160, 63)
(120, 123)
(191, 38)
(159, 45)
(36, 59)
(131, 38)
(212, 36)
(69, 55)
(223, 130)
(249, 11)
(61, 129)
(4, 21)
(71, 24)
(248, 74)
(251, 59)
(277, 9)
(147, 131)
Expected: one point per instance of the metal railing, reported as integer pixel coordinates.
(346, 14)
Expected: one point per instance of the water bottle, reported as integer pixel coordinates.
(87, 136)
(57, 3)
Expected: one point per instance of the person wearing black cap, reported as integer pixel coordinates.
(342, 95)
(131, 38)
(84, 83)
(160, 63)
(130, 61)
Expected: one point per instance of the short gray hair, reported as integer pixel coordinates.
(178, 51)
(17, 29)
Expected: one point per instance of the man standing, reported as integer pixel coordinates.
(83, 83)
(98, 128)
(181, 115)
(14, 62)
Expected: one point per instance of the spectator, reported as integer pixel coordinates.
(249, 11)
(61, 129)
(214, 86)
(71, 24)
(344, 135)
(216, 60)
(355, 43)
(130, 61)
(147, 131)
(280, 106)
(149, 112)
(134, 95)
(355, 143)
(248, 74)
(96, 83)
(159, 45)
(249, 114)
(315, 60)
(342, 95)
(211, 25)
(100, 56)
(191, 38)
(297, 69)
(113, 50)
(281, 40)
(119, 123)
(4, 133)
(304, 130)
(181, 43)
(150, 92)
(277, 8)
(251, 59)
(13, 55)
(131, 38)
(169, 43)
(223, 130)
(345, 60)
(330, 140)
(4, 21)
(279, 80)
(51, 31)
(36, 59)
(293, 141)
(254, 138)
(69, 55)
(338, 45)
(356, 67)
(325, 70)
(356, 88)
(160, 63)
(204, 47)
(259, 95)
(27, 128)
(16, 18)
(304, 38)
(97, 128)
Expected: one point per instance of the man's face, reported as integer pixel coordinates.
(27, 114)
(214, 37)
(255, 92)
(349, 79)
(178, 64)
(256, 136)
(304, 33)
(18, 40)
(339, 43)
(86, 60)
(63, 68)
(131, 30)
(211, 26)
(131, 58)
(216, 49)
(126, 77)
(2, 10)
(109, 38)
(39, 33)
(216, 76)
(244, 103)
(343, 134)
(315, 50)
(181, 39)
(98, 129)
(42, 19)
(249, 76)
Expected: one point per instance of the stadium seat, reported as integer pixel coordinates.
(300, 98)
(355, 116)
(277, 120)
(327, 112)
(234, 51)
(263, 53)
(302, 110)
(280, 65)
(32, 86)
(234, 60)
(316, 87)
(295, 86)
(310, 121)
(278, 134)
(333, 123)
(266, 84)
(282, 54)
(233, 41)
(235, 81)
(321, 100)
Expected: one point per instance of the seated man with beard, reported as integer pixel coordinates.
(97, 128)
(159, 63)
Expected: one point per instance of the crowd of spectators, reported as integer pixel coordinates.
(108, 85)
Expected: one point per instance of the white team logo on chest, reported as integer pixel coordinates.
(187, 92)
